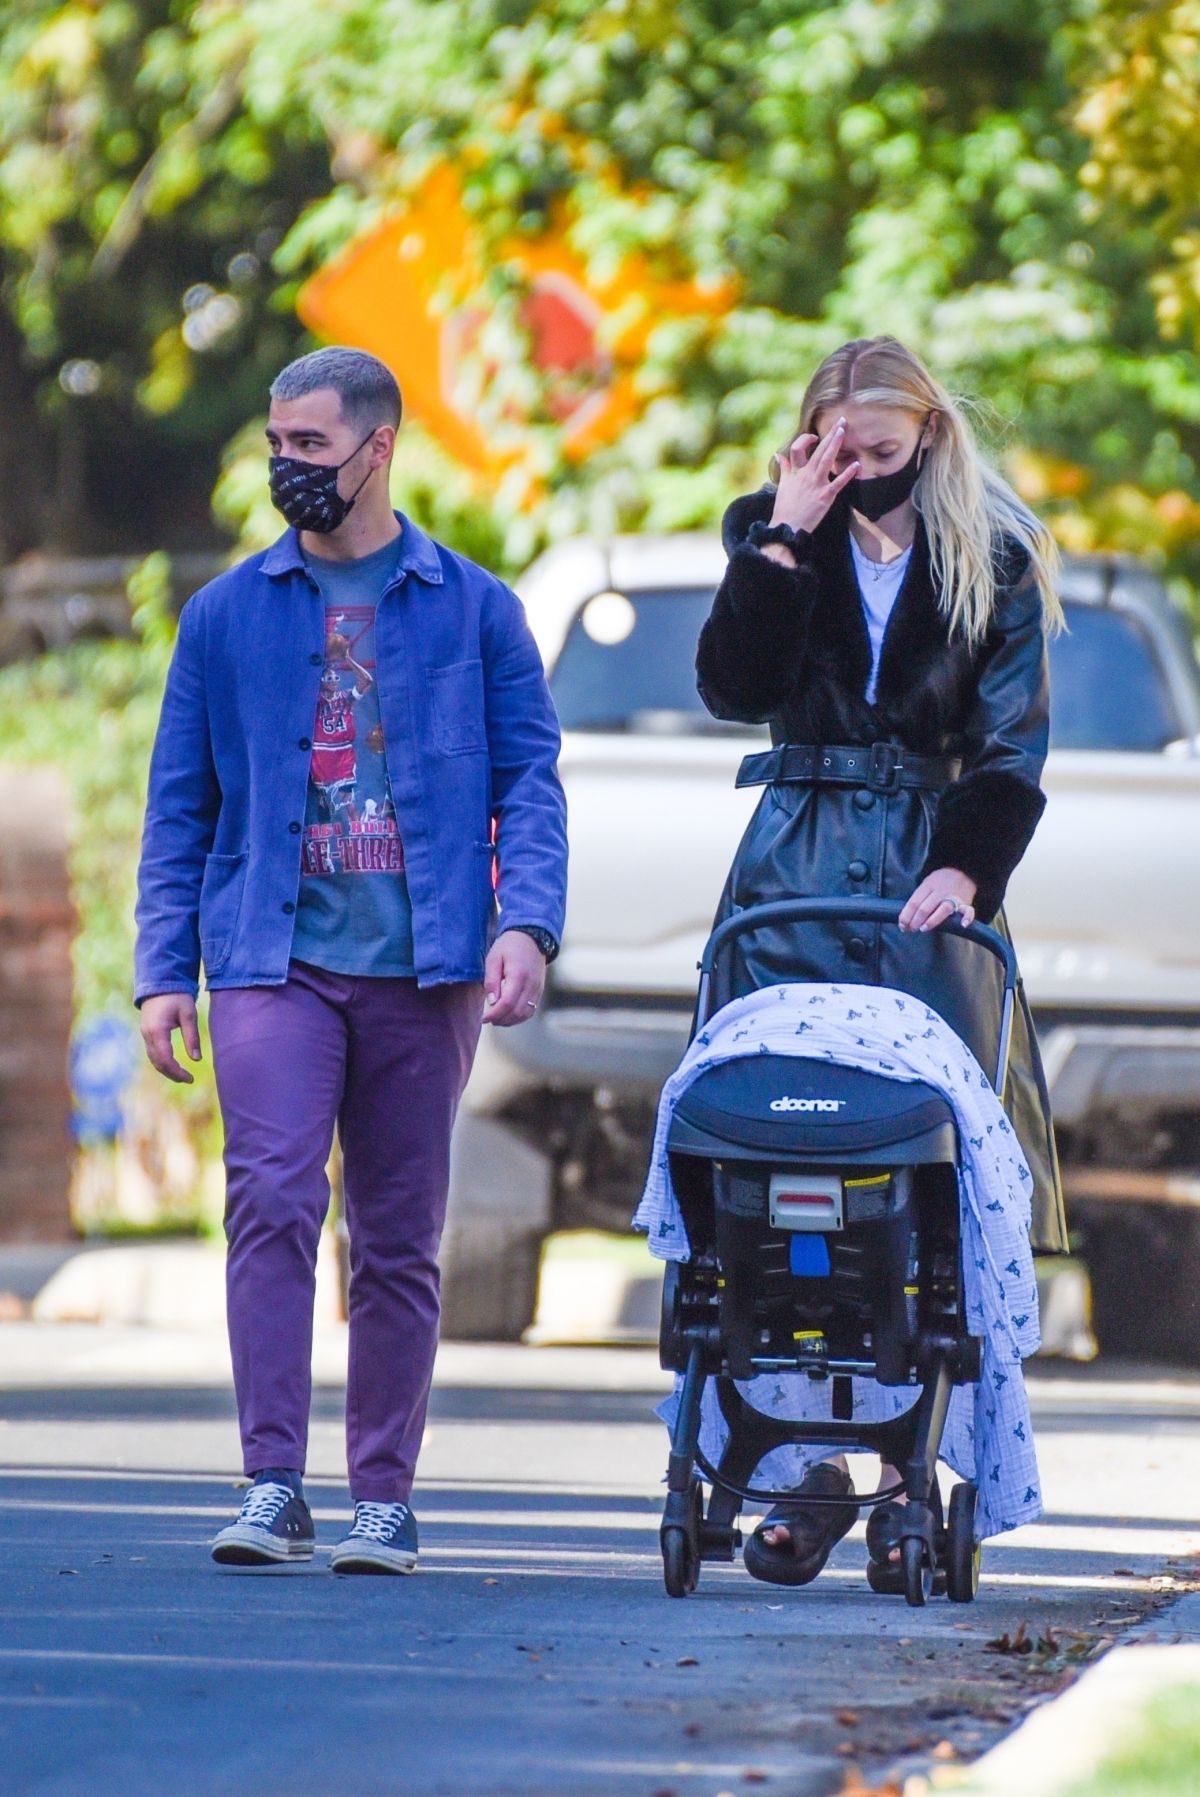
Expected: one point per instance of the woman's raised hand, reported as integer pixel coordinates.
(807, 484)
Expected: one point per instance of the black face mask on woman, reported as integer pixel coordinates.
(307, 492)
(876, 497)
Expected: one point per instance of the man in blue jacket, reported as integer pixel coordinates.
(355, 821)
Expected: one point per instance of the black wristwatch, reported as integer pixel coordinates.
(543, 938)
(761, 532)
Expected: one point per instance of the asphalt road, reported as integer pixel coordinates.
(534, 1652)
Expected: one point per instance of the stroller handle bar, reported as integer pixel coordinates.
(851, 910)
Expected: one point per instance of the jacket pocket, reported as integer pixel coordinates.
(220, 906)
(456, 708)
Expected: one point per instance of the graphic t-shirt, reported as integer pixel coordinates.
(353, 914)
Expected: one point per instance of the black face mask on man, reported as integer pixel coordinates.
(881, 494)
(307, 492)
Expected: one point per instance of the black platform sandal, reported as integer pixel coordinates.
(814, 1530)
(885, 1576)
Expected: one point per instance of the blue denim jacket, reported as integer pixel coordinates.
(471, 736)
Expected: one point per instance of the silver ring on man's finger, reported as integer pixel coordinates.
(529, 1005)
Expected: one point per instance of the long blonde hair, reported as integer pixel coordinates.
(968, 508)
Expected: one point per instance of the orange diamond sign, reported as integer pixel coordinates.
(407, 291)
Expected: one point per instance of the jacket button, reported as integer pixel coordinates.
(856, 949)
(288, 908)
(295, 830)
(305, 742)
(316, 660)
(858, 870)
(864, 800)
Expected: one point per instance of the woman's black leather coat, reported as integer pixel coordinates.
(789, 647)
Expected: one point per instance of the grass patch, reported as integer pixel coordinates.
(1160, 1758)
(599, 1245)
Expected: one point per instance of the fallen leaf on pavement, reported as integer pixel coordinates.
(1122, 1572)
(1006, 1643)
(847, 1718)
(754, 1775)
(491, 1581)
(68, 1572)
(688, 1659)
(945, 1750)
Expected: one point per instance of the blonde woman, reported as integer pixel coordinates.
(887, 603)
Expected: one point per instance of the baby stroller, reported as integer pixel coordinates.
(824, 1236)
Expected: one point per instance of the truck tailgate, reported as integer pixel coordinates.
(1105, 908)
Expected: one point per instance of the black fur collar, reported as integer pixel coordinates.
(916, 635)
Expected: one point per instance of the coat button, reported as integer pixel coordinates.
(864, 800)
(858, 870)
(316, 660)
(856, 949)
(288, 908)
(305, 742)
(295, 830)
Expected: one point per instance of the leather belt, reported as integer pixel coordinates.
(881, 767)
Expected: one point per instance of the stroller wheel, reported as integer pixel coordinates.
(680, 1540)
(918, 1574)
(681, 1563)
(963, 1552)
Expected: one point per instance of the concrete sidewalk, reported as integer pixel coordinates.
(1101, 1552)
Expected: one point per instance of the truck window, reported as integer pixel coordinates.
(1107, 689)
(628, 665)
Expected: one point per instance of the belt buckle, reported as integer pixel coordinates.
(883, 768)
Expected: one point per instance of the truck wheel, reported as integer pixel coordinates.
(489, 1281)
(1144, 1268)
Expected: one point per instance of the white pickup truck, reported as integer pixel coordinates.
(1105, 909)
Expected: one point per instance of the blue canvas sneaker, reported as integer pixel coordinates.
(383, 1539)
(275, 1524)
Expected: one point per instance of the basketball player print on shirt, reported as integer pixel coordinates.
(351, 825)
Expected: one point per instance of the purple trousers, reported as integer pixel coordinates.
(386, 1064)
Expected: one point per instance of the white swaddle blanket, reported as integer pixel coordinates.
(989, 1433)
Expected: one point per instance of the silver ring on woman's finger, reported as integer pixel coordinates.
(955, 904)
(529, 1005)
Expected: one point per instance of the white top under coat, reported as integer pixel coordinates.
(878, 585)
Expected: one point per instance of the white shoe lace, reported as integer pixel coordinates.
(378, 1521)
(262, 1504)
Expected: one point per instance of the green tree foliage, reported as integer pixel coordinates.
(1008, 188)
(1138, 112)
(91, 711)
(926, 167)
(140, 205)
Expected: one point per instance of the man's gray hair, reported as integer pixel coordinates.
(365, 386)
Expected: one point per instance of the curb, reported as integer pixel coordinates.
(1066, 1740)
(178, 1284)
